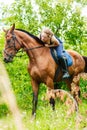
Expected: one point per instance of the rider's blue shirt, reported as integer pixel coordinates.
(59, 49)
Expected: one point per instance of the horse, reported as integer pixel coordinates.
(41, 67)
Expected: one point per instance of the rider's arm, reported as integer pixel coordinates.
(50, 45)
(54, 43)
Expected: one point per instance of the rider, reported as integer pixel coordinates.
(50, 40)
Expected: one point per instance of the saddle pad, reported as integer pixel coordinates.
(65, 54)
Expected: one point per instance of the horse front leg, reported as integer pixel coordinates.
(35, 87)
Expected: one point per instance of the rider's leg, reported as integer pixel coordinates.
(63, 63)
(62, 60)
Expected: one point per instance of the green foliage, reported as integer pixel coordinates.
(84, 2)
(51, 16)
(60, 16)
(75, 31)
(20, 13)
(3, 110)
(1, 44)
(83, 85)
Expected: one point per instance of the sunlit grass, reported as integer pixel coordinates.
(7, 123)
(47, 119)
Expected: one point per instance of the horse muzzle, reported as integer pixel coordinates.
(6, 60)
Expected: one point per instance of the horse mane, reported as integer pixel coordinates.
(33, 36)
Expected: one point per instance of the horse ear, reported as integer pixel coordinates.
(12, 28)
(5, 30)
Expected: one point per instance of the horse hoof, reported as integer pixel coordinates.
(33, 117)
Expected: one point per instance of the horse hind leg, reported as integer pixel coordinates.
(51, 98)
(52, 103)
(50, 92)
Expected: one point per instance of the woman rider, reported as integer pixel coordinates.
(50, 40)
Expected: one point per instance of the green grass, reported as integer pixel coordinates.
(47, 119)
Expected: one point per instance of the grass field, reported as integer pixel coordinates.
(47, 119)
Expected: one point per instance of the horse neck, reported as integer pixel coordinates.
(29, 42)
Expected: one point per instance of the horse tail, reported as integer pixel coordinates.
(85, 59)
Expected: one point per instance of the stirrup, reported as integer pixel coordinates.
(66, 75)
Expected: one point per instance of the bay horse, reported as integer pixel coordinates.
(42, 66)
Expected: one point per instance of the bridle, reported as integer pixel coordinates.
(14, 46)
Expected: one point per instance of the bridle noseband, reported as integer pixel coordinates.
(13, 46)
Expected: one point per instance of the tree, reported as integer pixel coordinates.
(21, 13)
(65, 21)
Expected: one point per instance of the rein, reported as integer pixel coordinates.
(26, 49)
(33, 48)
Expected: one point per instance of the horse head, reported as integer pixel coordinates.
(11, 44)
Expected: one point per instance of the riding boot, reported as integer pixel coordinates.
(63, 63)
